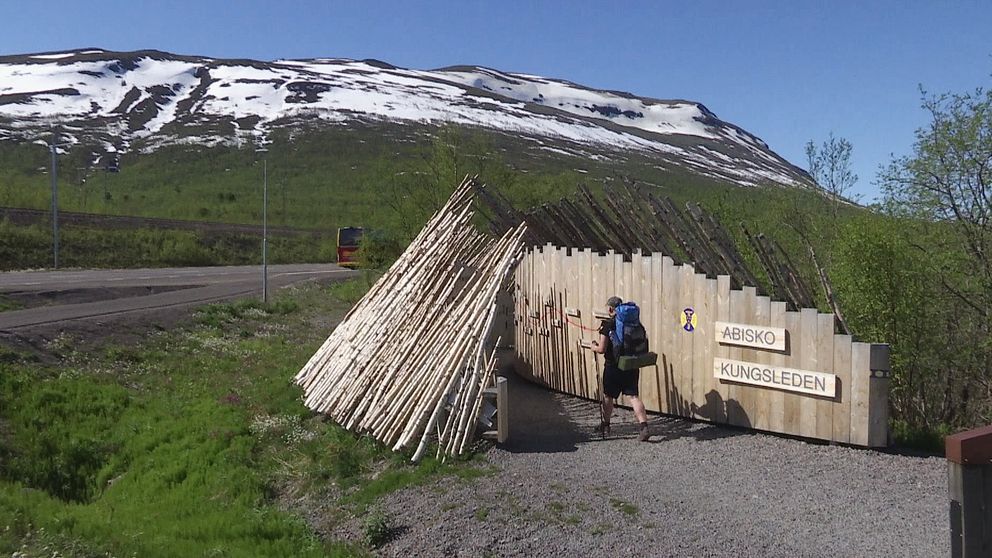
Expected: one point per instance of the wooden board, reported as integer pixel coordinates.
(684, 355)
(841, 418)
(807, 336)
(669, 335)
(776, 398)
(760, 399)
(860, 375)
(793, 358)
(701, 339)
(824, 363)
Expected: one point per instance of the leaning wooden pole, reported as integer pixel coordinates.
(416, 345)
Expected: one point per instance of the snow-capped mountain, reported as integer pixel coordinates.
(145, 99)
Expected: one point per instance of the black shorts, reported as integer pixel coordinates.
(616, 381)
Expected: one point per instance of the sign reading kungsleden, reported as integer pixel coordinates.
(768, 375)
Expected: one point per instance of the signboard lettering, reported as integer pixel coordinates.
(744, 335)
(769, 375)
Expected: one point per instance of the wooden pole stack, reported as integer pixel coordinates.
(411, 360)
(630, 218)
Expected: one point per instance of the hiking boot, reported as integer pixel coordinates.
(603, 429)
(644, 436)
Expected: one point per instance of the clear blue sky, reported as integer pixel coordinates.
(788, 71)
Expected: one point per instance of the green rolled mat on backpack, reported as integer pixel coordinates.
(633, 362)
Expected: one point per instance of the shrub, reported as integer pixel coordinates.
(376, 528)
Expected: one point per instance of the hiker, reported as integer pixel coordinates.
(616, 381)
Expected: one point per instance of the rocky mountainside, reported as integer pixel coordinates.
(126, 101)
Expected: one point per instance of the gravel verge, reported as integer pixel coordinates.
(696, 490)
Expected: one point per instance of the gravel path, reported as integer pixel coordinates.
(698, 490)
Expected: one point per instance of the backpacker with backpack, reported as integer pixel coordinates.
(630, 340)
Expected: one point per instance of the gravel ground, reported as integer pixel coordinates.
(697, 490)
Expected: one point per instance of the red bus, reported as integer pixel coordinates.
(349, 238)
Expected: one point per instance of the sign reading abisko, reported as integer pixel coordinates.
(767, 375)
(758, 337)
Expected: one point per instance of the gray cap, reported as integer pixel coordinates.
(614, 301)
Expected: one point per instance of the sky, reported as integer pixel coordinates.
(788, 72)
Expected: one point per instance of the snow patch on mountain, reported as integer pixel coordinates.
(160, 99)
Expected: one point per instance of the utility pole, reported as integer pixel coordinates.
(265, 224)
(53, 148)
(265, 230)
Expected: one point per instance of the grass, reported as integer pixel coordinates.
(7, 303)
(367, 176)
(624, 507)
(600, 529)
(185, 445)
(30, 247)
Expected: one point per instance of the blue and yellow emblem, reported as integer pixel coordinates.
(688, 319)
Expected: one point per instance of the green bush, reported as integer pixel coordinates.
(379, 249)
(376, 529)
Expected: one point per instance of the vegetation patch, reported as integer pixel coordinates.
(186, 444)
(624, 507)
(377, 528)
(7, 303)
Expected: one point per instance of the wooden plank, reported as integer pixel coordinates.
(760, 399)
(621, 276)
(622, 289)
(521, 347)
(748, 396)
(592, 301)
(841, 416)
(723, 314)
(564, 349)
(502, 410)
(776, 398)
(669, 335)
(807, 405)
(553, 282)
(824, 363)
(702, 338)
(791, 423)
(607, 288)
(541, 342)
(734, 391)
(648, 386)
(711, 393)
(568, 346)
(860, 375)
(582, 310)
(653, 375)
(684, 357)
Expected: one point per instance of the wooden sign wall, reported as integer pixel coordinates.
(725, 355)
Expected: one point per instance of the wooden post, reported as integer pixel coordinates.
(502, 410)
(878, 396)
(969, 468)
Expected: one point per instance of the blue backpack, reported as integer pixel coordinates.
(628, 337)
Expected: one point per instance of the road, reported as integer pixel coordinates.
(190, 286)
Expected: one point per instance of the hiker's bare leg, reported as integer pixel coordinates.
(638, 406)
(607, 408)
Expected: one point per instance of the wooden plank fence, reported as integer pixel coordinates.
(817, 384)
